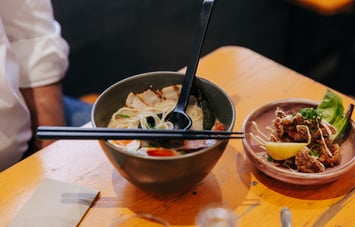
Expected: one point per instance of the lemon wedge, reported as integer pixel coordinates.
(282, 151)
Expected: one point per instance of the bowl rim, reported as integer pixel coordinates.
(263, 164)
(195, 153)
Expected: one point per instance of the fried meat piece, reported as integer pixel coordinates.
(279, 128)
(330, 161)
(306, 163)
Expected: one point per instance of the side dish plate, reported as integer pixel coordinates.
(263, 116)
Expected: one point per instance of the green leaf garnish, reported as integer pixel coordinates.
(331, 107)
(333, 112)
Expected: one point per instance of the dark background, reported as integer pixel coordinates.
(114, 39)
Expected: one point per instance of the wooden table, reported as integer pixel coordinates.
(251, 80)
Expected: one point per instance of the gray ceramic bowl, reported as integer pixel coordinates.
(162, 174)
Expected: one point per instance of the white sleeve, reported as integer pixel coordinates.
(35, 38)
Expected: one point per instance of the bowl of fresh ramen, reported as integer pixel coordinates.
(142, 101)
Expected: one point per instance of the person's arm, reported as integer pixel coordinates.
(46, 107)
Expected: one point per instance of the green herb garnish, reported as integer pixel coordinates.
(313, 152)
(311, 114)
(117, 116)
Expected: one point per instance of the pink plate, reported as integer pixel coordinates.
(263, 117)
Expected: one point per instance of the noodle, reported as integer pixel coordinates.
(138, 110)
(150, 109)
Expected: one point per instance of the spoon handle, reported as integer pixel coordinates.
(286, 217)
(206, 11)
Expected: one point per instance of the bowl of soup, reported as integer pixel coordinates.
(162, 165)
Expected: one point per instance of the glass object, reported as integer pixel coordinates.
(216, 217)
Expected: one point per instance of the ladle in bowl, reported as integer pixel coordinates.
(178, 116)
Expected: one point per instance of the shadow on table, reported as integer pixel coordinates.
(182, 208)
(305, 192)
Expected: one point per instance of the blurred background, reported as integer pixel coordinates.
(113, 39)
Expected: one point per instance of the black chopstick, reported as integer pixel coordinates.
(131, 130)
(49, 132)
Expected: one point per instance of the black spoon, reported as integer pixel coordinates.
(178, 116)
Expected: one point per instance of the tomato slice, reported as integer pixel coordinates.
(159, 151)
(218, 127)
